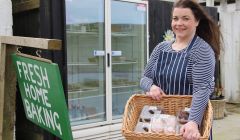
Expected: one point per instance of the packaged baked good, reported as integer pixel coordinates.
(158, 123)
(183, 115)
(170, 125)
(145, 115)
(155, 110)
(163, 123)
(152, 120)
(148, 112)
(142, 127)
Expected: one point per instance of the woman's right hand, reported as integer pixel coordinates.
(155, 92)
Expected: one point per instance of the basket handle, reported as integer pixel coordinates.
(208, 119)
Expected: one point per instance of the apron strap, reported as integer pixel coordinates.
(191, 44)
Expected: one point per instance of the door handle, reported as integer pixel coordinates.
(116, 53)
(108, 59)
(98, 53)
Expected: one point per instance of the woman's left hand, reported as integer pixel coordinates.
(190, 131)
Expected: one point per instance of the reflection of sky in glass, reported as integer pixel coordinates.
(91, 11)
(127, 13)
(84, 11)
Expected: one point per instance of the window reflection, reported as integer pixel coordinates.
(86, 80)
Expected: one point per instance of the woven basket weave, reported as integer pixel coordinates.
(171, 105)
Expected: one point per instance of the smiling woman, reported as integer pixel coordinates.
(185, 66)
(184, 26)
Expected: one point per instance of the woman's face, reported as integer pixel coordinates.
(184, 23)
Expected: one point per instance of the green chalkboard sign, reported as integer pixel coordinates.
(42, 95)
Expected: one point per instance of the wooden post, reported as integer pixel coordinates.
(223, 5)
(2, 83)
(237, 5)
(25, 5)
(8, 46)
(9, 96)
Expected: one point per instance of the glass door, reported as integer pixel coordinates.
(128, 42)
(86, 61)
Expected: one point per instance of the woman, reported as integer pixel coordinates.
(186, 65)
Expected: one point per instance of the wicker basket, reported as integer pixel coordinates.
(218, 108)
(171, 105)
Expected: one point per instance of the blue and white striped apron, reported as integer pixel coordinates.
(171, 72)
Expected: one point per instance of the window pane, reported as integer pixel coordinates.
(86, 78)
(129, 43)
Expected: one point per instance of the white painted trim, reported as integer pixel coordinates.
(210, 3)
(6, 17)
(108, 44)
(223, 4)
(230, 57)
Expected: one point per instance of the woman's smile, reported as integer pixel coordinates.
(183, 23)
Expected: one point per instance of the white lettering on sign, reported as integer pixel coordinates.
(28, 70)
(36, 94)
(43, 116)
(36, 85)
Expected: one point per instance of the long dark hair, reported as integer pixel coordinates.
(207, 29)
